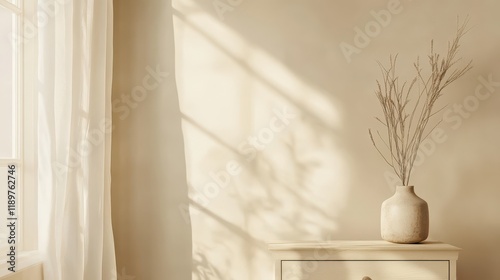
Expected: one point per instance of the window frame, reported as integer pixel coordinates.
(25, 102)
(29, 146)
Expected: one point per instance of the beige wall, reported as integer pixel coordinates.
(318, 177)
(315, 175)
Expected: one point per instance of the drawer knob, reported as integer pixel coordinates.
(366, 278)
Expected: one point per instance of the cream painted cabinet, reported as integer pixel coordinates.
(364, 260)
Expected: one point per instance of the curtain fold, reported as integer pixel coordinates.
(153, 231)
(74, 123)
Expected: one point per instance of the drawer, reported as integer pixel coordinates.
(365, 270)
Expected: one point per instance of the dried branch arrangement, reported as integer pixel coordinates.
(406, 119)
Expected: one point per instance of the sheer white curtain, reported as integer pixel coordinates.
(74, 115)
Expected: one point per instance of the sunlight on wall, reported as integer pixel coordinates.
(257, 163)
(275, 119)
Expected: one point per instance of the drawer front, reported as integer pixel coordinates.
(365, 270)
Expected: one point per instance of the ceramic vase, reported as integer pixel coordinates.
(404, 217)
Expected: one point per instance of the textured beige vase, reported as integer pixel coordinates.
(404, 217)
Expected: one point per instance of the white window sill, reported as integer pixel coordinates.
(23, 260)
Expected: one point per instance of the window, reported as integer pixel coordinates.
(17, 122)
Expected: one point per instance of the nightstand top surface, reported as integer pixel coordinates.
(366, 245)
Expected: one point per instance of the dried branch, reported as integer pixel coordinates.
(406, 121)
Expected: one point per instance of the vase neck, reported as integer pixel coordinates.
(405, 189)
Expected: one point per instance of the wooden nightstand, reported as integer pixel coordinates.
(364, 260)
